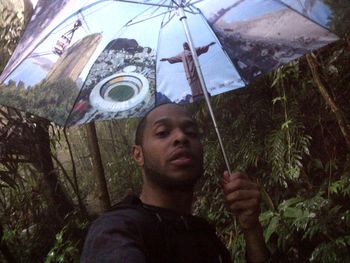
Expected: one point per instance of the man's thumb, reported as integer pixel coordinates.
(226, 177)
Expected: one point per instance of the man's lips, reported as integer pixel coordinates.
(181, 158)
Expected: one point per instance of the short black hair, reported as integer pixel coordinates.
(141, 128)
(142, 123)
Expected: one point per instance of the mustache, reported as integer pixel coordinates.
(181, 152)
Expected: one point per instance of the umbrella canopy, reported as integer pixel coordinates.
(83, 60)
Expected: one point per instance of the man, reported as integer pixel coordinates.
(158, 226)
(190, 69)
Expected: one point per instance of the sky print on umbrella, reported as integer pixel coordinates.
(87, 45)
(317, 10)
(265, 39)
(219, 73)
(251, 38)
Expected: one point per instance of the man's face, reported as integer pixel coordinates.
(186, 46)
(172, 151)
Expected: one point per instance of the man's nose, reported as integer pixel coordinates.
(180, 137)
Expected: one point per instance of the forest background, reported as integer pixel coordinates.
(289, 130)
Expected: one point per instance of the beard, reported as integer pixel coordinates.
(171, 184)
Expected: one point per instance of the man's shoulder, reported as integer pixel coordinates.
(116, 235)
(124, 220)
(128, 204)
(129, 210)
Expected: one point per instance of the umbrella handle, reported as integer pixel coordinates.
(183, 19)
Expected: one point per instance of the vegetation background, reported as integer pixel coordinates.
(289, 130)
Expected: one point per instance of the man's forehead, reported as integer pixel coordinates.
(169, 112)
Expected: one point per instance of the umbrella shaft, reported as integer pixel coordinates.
(183, 19)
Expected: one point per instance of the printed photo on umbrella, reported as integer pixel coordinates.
(262, 35)
(81, 61)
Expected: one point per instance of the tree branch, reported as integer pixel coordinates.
(339, 115)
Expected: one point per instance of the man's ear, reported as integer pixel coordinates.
(137, 154)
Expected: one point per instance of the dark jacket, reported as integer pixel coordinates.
(133, 232)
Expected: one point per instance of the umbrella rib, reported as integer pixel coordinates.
(140, 21)
(175, 3)
(163, 13)
(83, 8)
(134, 2)
(169, 19)
(159, 6)
(130, 22)
(33, 55)
(92, 12)
(140, 14)
(196, 2)
(156, 9)
(191, 11)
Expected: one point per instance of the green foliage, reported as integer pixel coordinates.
(68, 242)
(281, 132)
(316, 223)
(340, 20)
(332, 251)
(341, 186)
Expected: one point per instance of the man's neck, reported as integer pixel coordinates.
(178, 201)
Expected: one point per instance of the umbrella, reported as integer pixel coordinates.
(81, 61)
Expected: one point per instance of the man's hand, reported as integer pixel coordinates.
(212, 43)
(164, 59)
(243, 197)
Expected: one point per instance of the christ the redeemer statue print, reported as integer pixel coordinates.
(190, 69)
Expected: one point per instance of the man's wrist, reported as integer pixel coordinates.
(256, 250)
(253, 229)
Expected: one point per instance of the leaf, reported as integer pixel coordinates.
(7, 179)
(271, 228)
(266, 216)
(292, 212)
(317, 163)
(286, 124)
(290, 202)
(277, 99)
(267, 199)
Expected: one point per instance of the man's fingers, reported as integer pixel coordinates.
(236, 175)
(247, 206)
(239, 184)
(226, 177)
(243, 195)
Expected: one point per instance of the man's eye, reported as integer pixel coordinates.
(192, 133)
(162, 134)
